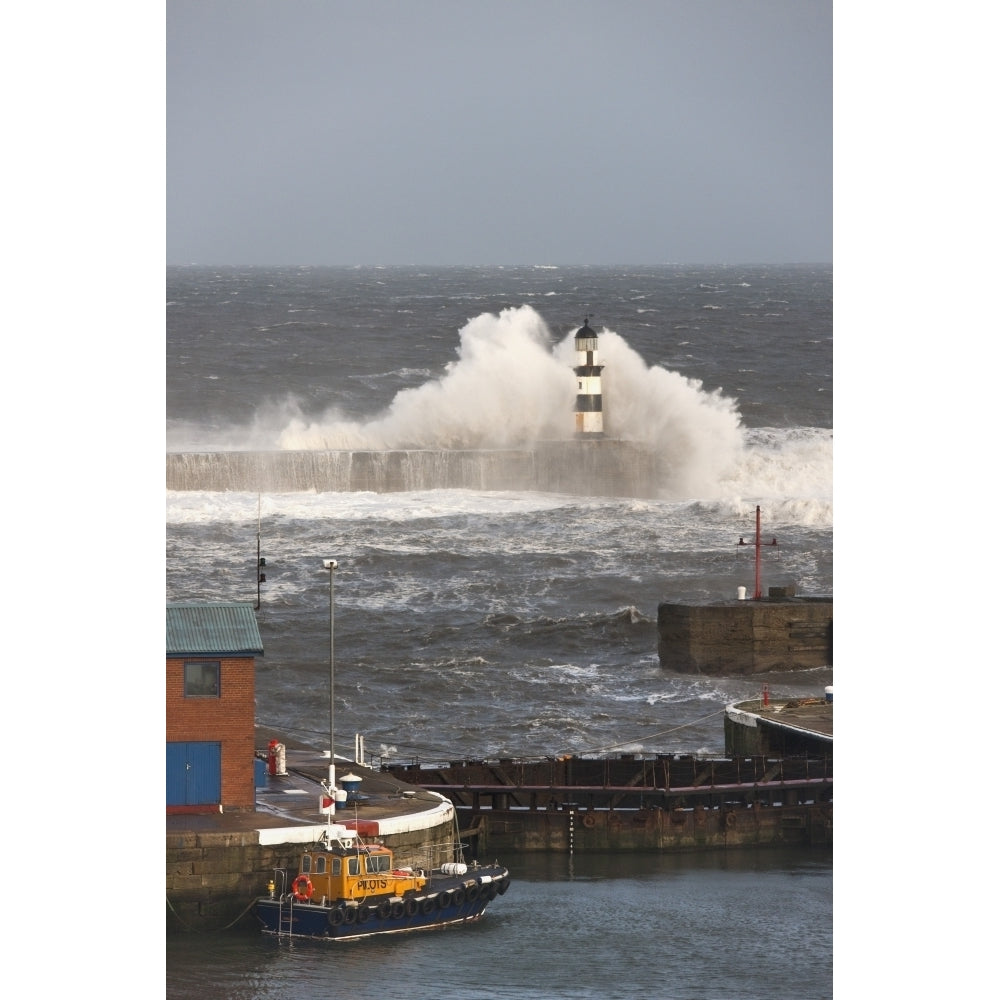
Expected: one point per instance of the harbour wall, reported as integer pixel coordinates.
(591, 467)
(696, 828)
(217, 866)
(675, 803)
(746, 637)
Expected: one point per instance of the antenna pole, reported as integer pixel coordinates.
(756, 558)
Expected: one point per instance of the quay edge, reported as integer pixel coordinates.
(776, 728)
(218, 863)
(675, 803)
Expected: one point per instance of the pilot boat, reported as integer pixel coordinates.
(346, 888)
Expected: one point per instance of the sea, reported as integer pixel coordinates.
(472, 624)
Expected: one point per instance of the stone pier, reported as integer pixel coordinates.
(746, 637)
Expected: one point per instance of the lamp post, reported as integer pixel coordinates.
(331, 565)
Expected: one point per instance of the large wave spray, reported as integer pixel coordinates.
(511, 387)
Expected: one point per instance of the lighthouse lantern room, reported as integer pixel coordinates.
(589, 404)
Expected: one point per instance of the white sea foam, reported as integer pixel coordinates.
(195, 507)
(511, 386)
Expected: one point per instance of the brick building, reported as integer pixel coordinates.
(210, 706)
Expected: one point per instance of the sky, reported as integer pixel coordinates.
(518, 132)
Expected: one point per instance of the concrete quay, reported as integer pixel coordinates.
(784, 727)
(218, 863)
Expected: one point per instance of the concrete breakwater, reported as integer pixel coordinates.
(746, 637)
(601, 467)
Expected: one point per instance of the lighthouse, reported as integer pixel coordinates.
(589, 405)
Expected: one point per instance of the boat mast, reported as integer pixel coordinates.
(331, 565)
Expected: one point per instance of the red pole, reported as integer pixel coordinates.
(756, 561)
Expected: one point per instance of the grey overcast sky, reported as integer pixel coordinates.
(499, 131)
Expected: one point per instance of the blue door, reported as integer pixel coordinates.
(194, 774)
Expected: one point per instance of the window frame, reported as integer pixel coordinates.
(189, 683)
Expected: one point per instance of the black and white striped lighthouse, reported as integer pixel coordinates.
(589, 405)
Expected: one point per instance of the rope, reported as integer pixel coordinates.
(229, 926)
(241, 916)
(186, 925)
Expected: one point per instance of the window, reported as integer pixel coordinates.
(377, 863)
(334, 866)
(306, 863)
(320, 865)
(353, 866)
(201, 679)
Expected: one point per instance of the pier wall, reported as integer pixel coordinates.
(665, 803)
(214, 877)
(598, 467)
(746, 637)
(697, 828)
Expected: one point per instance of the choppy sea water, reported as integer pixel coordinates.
(471, 623)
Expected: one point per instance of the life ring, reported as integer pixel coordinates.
(589, 819)
(302, 888)
(336, 916)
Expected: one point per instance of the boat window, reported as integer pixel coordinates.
(306, 863)
(320, 865)
(334, 866)
(353, 866)
(378, 863)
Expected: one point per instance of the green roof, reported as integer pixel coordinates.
(223, 628)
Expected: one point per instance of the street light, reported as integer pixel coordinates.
(331, 565)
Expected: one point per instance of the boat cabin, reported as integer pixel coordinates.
(353, 871)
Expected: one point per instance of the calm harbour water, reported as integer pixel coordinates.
(738, 924)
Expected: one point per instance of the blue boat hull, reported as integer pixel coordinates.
(450, 901)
